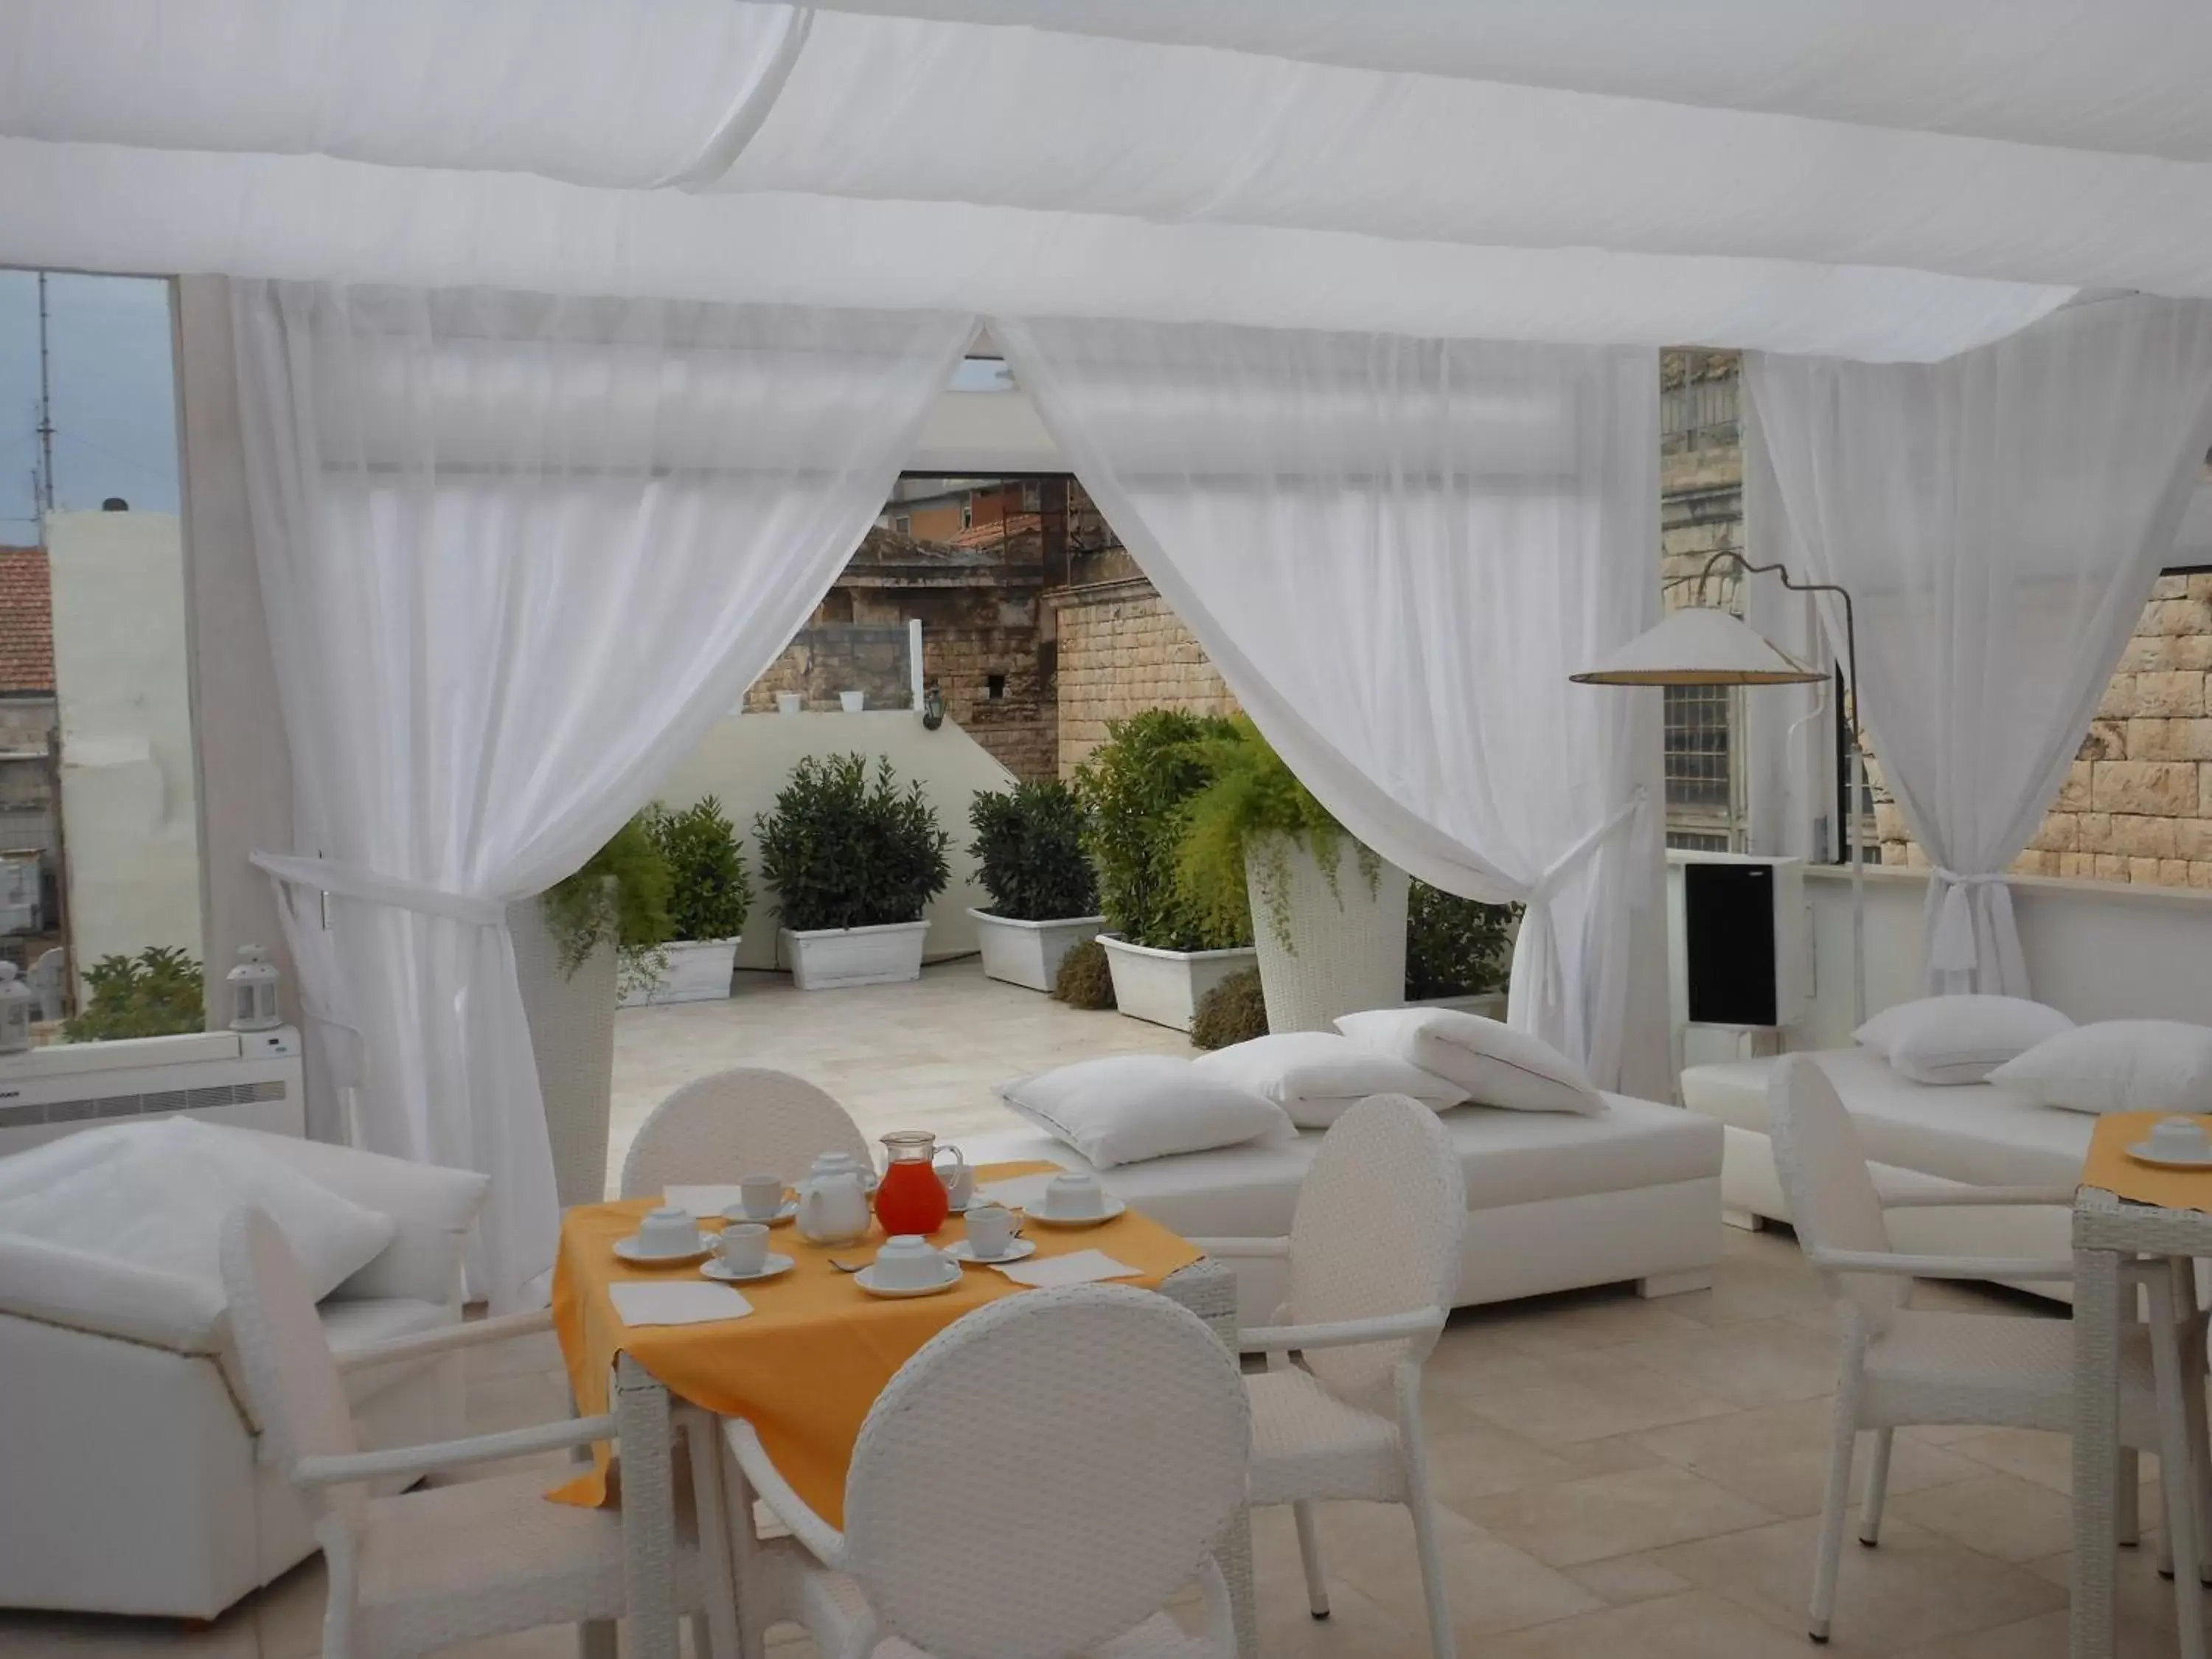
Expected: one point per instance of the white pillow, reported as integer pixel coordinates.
(1318, 1076)
(1127, 1109)
(2118, 1066)
(159, 1197)
(1496, 1065)
(1958, 1039)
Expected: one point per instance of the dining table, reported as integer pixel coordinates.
(2124, 1211)
(802, 1367)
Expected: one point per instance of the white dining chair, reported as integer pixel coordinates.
(1038, 1481)
(1903, 1365)
(746, 1121)
(1373, 1255)
(422, 1569)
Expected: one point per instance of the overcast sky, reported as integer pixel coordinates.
(114, 397)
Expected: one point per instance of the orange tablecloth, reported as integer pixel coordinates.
(807, 1364)
(2109, 1168)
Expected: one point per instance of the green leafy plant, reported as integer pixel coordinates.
(160, 992)
(1028, 850)
(620, 897)
(1254, 811)
(1134, 786)
(844, 851)
(709, 894)
(1085, 978)
(1235, 1010)
(1456, 947)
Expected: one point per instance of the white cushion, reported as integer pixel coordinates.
(1496, 1065)
(2118, 1066)
(1129, 1108)
(1318, 1076)
(1959, 1039)
(158, 1195)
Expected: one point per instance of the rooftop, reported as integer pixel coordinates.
(26, 622)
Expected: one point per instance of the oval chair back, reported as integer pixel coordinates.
(1046, 1473)
(746, 1121)
(1823, 1167)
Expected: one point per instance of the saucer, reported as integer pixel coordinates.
(1114, 1207)
(782, 1217)
(714, 1268)
(1016, 1250)
(627, 1249)
(865, 1279)
(2143, 1153)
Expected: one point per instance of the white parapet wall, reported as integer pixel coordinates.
(129, 817)
(745, 759)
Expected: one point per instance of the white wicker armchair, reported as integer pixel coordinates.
(423, 1570)
(1374, 1255)
(1036, 1482)
(746, 1121)
(1903, 1365)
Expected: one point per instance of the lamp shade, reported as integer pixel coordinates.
(1698, 647)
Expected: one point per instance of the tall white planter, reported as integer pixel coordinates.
(1165, 987)
(1345, 949)
(1029, 952)
(571, 1035)
(833, 958)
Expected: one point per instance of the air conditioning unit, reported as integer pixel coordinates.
(251, 1079)
(1740, 953)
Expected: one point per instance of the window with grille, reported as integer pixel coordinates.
(1704, 810)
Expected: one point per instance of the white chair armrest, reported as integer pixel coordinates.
(424, 1344)
(1255, 1248)
(823, 1541)
(1924, 1199)
(1941, 1267)
(419, 1461)
(105, 1296)
(1341, 1332)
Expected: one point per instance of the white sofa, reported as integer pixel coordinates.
(1918, 1137)
(129, 1481)
(1555, 1200)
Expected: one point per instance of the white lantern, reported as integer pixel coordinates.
(19, 1004)
(253, 991)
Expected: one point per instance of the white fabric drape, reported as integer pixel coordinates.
(1396, 551)
(1792, 802)
(517, 553)
(1998, 519)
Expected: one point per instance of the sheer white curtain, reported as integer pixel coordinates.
(1791, 801)
(517, 554)
(1396, 550)
(1998, 519)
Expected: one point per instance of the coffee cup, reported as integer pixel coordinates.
(1073, 1198)
(909, 1261)
(668, 1231)
(2180, 1138)
(745, 1247)
(990, 1231)
(761, 1196)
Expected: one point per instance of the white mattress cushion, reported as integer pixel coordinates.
(1976, 1132)
(1507, 1158)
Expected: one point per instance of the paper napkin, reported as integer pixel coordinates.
(703, 1202)
(1079, 1267)
(642, 1303)
(1015, 1192)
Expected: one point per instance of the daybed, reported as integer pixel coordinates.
(1555, 1200)
(1917, 1136)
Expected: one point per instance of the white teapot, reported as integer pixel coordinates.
(833, 1202)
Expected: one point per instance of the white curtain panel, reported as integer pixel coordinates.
(1396, 550)
(1998, 519)
(517, 554)
(1790, 797)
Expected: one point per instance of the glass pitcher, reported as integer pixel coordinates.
(912, 1197)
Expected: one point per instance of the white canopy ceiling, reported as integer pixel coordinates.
(1883, 178)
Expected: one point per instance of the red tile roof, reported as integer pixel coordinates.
(991, 532)
(26, 622)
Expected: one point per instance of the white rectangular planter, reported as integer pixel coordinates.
(1029, 952)
(831, 958)
(1165, 987)
(697, 970)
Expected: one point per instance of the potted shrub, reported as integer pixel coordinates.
(707, 899)
(1330, 916)
(854, 861)
(1166, 953)
(1459, 951)
(158, 993)
(1044, 894)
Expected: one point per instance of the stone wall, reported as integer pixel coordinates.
(826, 659)
(1122, 651)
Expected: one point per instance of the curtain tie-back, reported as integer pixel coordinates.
(1548, 886)
(350, 881)
(1539, 995)
(1951, 947)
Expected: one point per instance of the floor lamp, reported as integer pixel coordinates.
(1696, 645)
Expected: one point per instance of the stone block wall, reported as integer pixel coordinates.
(828, 657)
(1123, 650)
